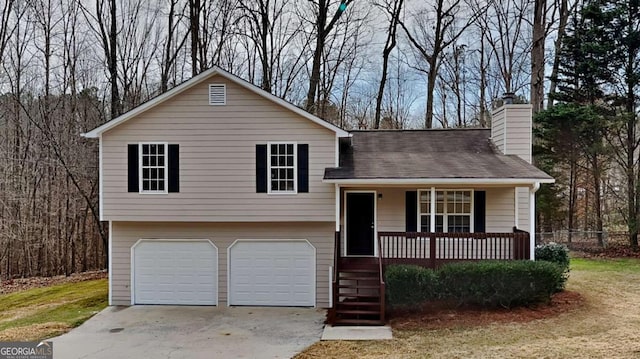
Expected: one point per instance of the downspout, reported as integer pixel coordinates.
(532, 220)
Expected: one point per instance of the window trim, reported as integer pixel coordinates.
(433, 213)
(166, 168)
(295, 167)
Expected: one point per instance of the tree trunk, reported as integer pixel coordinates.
(537, 56)
(314, 80)
(572, 198)
(597, 185)
(564, 16)
(113, 65)
(194, 25)
(322, 31)
(389, 46)
(431, 85)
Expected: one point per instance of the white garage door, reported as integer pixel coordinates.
(272, 273)
(175, 272)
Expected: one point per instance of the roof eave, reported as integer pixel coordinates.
(432, 181)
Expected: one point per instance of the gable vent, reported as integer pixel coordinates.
(217, 94)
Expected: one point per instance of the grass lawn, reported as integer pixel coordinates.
(40, 313)
(606, 326)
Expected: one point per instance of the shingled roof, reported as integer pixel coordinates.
(428, 154)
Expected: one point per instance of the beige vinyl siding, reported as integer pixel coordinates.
(518, 131)
(511, 130)
(126, 234)
(217, 160)
(391, 208)
(498, 128)
(500, 215)
(523, 208)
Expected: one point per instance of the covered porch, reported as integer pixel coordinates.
(423, 225)
(431, 226)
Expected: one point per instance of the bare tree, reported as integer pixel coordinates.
(392, 9)
(218, 45)
(103, 22)
(323, 25)
(564, 10)
(507, 37)
(343, 49)
(136, 50)
(6, 26)
(174, 42)
(271, 32)
(451, 18)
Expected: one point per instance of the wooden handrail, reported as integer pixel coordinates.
(433, 249)
(334, 283)
(382, 284)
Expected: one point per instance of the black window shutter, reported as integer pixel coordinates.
(261, 168)
(479, 211)
(132, 173)
(411, 211)
(303, 168)
(174, 168)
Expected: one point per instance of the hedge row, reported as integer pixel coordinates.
(486, 283)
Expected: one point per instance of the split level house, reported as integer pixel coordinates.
(219, 193)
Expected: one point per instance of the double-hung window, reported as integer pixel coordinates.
(282, 159)
(153, 167)
(453, 211)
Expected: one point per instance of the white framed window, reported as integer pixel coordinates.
(283, 171)
(153, 167)
(453, 210)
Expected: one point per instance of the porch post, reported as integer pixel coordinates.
(515, 207)
(532, 220)
(337, 207)
(432, 209)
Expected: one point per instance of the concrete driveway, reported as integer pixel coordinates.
(192, 332)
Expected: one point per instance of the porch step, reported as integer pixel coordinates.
(359, 304)
(359, 286)
(355, 295)
(359, 270)
(342, 321)
(357, 311)
(367, 278)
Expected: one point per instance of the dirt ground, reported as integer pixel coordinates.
(18, 284)
(597, 317)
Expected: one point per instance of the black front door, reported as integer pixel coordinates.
(360, 224)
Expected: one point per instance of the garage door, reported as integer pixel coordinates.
(272, 273)
(175, 272)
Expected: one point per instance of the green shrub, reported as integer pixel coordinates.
(409, 286)
(558, 254)
(500, 283)
(553, 252)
